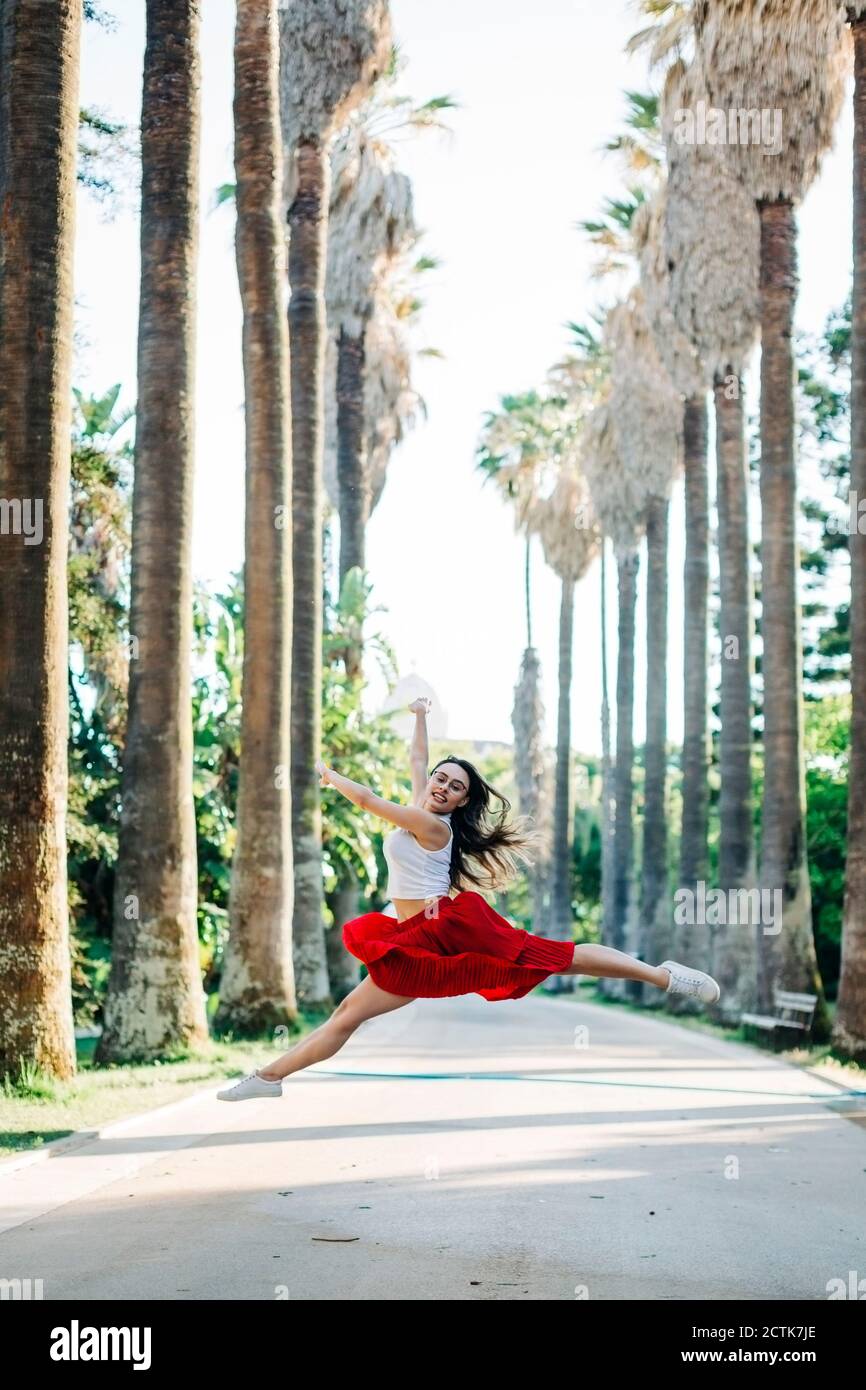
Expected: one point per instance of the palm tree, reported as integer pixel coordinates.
(38, 128)
(155, 997)
(849, 1027)
(670, 31)
(371, 234)
(623, 236)
(684, 370)
(570, 539)
(766, 54)
(257, 986)
(648, 421)
(392, 403)
(390, 406)
(370, 225)
(331, 52)
(516, 450)
(530, 764)
(619, 501)
(586, 374)
(607, 801)
(710, 255)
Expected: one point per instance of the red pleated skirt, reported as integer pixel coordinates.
(453, 946)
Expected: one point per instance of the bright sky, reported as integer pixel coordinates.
(540, 90)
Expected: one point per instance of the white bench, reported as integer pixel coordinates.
(790, 1026)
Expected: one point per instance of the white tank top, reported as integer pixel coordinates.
(415, 872)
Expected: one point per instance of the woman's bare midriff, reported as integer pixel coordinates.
(410, 907)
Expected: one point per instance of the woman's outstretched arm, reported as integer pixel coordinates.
(409, 817)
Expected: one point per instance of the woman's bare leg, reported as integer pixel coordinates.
(365, 1001)
(615, 965)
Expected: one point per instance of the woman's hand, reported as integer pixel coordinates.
(323, 773)
(421, 705)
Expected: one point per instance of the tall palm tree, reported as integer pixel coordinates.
(155, 998)
(619, 503)
(641, 147)
(570, 539)
(370, 226)
(607, 801)
(516, 449)
(696, 574)
(257, 987)
(392, 404)
(849, 1027)
(584, 374)
(623, 236)
(331, 52)
(768, 54)
(530, 766)
(39, 59)
(648, 421)
(371, 235)
(710, 259)
(684, 370)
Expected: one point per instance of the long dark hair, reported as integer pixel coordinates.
(481, 834)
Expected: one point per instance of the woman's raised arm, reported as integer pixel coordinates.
(419, 752)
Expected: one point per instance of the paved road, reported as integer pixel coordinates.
(647, 1161)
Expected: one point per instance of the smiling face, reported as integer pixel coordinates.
(447, 789)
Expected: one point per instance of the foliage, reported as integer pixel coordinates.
(824, 377)
(218, 656)
(827, 742)
(100, 482)
(361, 746)
(364, 747)
(109, 161)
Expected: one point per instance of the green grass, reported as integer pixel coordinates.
(35, 1109)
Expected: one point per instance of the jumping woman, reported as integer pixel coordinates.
(446, 939)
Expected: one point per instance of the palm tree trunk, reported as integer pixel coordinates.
(308, 223)
(39, 53)
(849, 1029)
(352, 474)
(654, 943)
(257, 991)
(540, 872)
(561, 917)
(627, 565)
(526, 719)
(786, 957)
(155, 998)
(693, 849)
(735, 948)
(607, 827)
(526, 591)
(344, 903)
(692, 943)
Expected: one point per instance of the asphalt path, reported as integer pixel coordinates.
(458, 1149)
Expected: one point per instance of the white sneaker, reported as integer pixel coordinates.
(687, 981)
(252, 1087)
